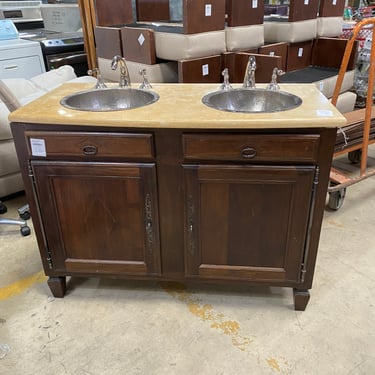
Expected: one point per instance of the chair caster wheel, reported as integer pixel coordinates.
(24, 212)
(25, 230)
(25, 215)
(3, 208)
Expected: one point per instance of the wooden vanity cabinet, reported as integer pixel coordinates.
(96, 196)
(177, 204)
(250, 207)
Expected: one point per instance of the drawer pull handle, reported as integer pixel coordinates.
(248, 153)
(90, 150)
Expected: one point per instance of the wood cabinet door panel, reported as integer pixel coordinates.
(246, 222)
(100, 217)
(244, 12)
(200, 17)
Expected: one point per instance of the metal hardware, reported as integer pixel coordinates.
(145, 85)
(310, 222)
(249, 79)
(56, 59)
(225, 86)
(21, 223)
(248, 152)
(99, 80)
(11, 67)
(30, 173)
(149, 224)
(124, 72)
(273, 85)
(90, 150)
(191, 225)
(49, 261)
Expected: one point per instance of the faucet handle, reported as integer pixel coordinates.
(145, 85)
(273, 85)
(278, 71)
(225, 85)
(99, 80)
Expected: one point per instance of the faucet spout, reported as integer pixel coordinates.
(249, 79)
(124, 72)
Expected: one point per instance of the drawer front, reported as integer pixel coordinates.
(239, 147)
(21, 67)
(89, 145)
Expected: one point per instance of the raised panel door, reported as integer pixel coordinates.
(99, 217)
(246, 222)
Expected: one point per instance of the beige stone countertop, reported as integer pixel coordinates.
(180, 106)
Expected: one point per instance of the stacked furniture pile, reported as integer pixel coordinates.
(219, 34)
(161, 45)
(352, 134)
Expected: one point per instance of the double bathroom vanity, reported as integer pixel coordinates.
(177, 190)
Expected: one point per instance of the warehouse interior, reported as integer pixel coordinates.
(176, 234)
(105, 326)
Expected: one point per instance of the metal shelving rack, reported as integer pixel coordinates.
(358, 152)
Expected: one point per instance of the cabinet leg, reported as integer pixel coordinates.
(57, 286)
(301, 298)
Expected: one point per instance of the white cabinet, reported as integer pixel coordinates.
(20, 59)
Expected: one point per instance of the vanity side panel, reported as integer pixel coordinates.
(18, 130)
(327, 142)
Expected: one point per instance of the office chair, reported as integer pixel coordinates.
(24, 214)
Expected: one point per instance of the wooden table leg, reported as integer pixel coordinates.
(57, 286)
(301, 298)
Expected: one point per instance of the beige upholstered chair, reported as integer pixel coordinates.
(15, 92)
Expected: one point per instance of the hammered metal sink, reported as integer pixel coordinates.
(109, 99)
(251, 100)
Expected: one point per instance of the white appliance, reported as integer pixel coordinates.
(18, 58)
(61, 17)
(54, 26)
(17, 11)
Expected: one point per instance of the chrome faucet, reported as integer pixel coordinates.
(145, 85)
(273, 85)
(226, 86)
(249, 79)
(124, 72)
(99, 80)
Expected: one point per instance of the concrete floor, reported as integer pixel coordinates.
(121, 327)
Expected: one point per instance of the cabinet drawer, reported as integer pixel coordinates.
(239, 147)
(89, 145)
(21, 67)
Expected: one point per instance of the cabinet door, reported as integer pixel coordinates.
(99, 217)
(246, 222)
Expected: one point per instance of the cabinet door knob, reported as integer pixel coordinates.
(90, 150)
(248, 152)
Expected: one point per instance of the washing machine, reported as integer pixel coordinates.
(19, 58)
